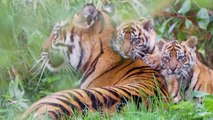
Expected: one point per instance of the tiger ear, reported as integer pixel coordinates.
(191, 42)
(108, 7)
(147, 25)
(90, 10)
(160, 44)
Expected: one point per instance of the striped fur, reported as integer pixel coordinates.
(86, 46)
(63, 104)
(179, 61)
(182, 70)
(135, 39)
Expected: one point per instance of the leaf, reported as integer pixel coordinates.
(163, 27)
(11, 89)
(186, 6)
(202, 114)
(188, 23)
(199, 94)
(172, 27)
(212, 31)
(203, 18)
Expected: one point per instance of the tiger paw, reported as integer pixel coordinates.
(152, 61)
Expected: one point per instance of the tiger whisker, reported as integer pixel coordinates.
(42, 72)
(70, 70)
(36, 63)
(38, 71)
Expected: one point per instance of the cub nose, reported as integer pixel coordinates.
(172, 67)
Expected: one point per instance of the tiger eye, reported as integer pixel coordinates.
(181, 58)
(166, 58)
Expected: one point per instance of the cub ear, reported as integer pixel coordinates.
(147, 25)
(191, 42)
(160, 44)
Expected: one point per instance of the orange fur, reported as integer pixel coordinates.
(108, 80)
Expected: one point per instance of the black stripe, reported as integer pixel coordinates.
(56, 116)
(96, 103)
(63, 109)
(111, 101)
(141, 72)
(176, 94)
(129, 94)
(105, 99)
(112, 92)
(63, 96)
(126, 66)
(136, 68)
(71, 36)
(64, 35)
(196, 83)
(152, 50)
(135, 73)
(78, 93)
(83, 106)
(73, 107)
(81, 56)
(93, 65)
(199, 87)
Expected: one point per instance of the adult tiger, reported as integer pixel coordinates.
(179, 61)
(64, 104)
(86, 45)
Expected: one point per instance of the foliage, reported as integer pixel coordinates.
(185, 18)
(26, 24)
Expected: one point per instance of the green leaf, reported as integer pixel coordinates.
(188, 23)
(163, 26)
(203, 18)
(11, 89)
(186, 6)
(212, 31)
(199, 94)
(172, 27)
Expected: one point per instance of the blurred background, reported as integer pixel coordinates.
(26, 24)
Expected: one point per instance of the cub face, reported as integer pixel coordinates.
(178, 58)
(135, 39)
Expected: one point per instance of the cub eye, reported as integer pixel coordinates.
(166, 58)
(135, 40)
(181, 58)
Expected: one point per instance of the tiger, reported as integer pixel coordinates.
(182, 70)
(136, 40)
(86, 44)
(107, 79)
(179, 62)
(108, 99)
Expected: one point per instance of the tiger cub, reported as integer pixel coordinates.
(182, 69)
(136, 39)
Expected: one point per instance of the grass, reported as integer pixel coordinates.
(26, 24)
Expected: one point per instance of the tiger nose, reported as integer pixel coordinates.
(173, 67)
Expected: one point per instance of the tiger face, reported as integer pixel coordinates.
(80, 44)
(178, 58)
(135, 39)
(68, 44)
(58, 49)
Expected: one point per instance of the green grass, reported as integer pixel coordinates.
(26, 24)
